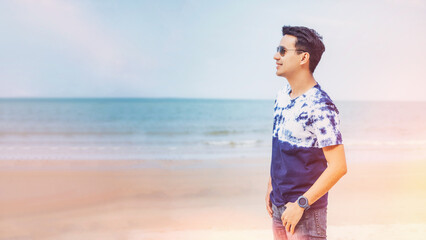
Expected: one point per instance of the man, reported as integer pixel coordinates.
(307, 148)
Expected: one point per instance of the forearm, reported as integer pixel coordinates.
(328, 178)
(324, 183)
(269, 188)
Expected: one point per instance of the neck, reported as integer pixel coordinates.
(300, 83)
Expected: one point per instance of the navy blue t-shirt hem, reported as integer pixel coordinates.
(320, 203)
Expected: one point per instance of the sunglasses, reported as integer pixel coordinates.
(282, 50)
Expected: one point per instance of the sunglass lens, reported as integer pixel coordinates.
(281, 50)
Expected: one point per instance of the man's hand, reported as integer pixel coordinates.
(291, 216)
(269, 204)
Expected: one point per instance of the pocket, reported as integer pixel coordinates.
(314, 223)
(275, 212)
(320, 216)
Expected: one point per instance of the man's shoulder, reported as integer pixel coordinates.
(319, 100)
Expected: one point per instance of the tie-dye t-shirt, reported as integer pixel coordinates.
(302, 127)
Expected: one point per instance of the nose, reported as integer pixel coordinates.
(277, 56)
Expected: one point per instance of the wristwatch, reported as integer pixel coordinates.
(303, 202)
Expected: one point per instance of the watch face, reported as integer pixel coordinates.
(302, 201)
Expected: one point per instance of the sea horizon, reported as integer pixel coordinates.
(191, 98)
(191, 129)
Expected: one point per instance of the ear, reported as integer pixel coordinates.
(305, 58)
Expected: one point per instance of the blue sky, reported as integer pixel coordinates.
(207, 49)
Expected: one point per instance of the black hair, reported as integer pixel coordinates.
(309, 41)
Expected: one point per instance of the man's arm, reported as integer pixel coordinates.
(267, 198)
(335, 156)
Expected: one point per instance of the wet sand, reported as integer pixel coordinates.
(124, 200)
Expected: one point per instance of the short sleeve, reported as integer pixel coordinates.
(326, 125)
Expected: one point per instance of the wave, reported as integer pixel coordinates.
(222, 132)
(234, 143)
(160, 133)
(45, 133)
(389, 143)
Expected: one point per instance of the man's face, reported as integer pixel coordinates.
(290, 62)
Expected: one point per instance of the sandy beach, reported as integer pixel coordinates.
(122, 200)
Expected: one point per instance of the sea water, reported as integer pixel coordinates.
(192, 129)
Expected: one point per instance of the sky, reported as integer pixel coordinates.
(375, 50)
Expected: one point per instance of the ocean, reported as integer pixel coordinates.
(192, 129)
